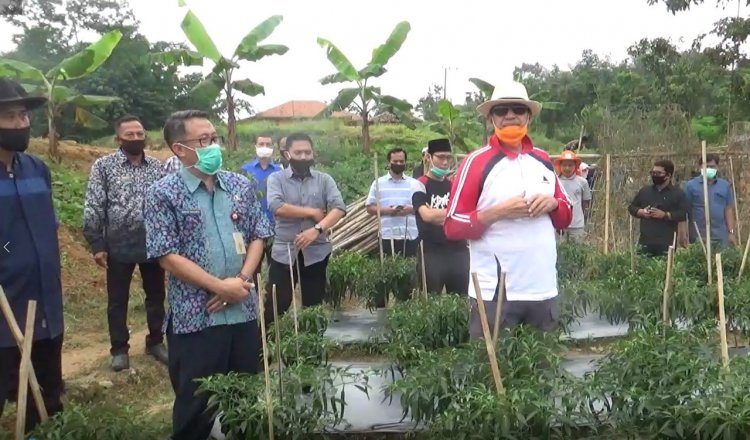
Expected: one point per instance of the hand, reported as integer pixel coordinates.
(101, 259)
(317, 215)
(658, 214)
(305, 238)
(643, 213)
(514, 207)
(540, 205)
(232, 290)
(406, 210)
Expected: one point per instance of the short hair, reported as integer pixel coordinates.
(263, 135)
(395, 150)
(297, 137)
(666, 164)
(710, 157)
(175, 126)
(282, 143)
(127, 118)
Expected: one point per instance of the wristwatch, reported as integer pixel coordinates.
(318, 228)
(243, 277)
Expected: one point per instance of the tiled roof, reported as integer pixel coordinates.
(294, 110)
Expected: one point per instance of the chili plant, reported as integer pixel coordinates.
(345, 272)
(305, 348)
(396, 275)
(312, 320)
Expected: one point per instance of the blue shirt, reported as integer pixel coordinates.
(182, 218)
(30, 270)
(720, 197)
(394, 193)
(260, 175)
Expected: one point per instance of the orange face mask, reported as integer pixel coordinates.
(512, 134)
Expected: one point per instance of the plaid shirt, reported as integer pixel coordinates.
(172, 165)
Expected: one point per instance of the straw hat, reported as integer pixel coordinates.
(510, 93)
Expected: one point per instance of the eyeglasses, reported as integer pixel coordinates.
(445, 157)
(502, 110)
(206, 141)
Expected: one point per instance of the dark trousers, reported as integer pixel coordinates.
(407, 248)
(312, 280)
(654, 250)
(265, 256)
(215, 350)
(47, 361)
(446, 267)
(119, 276)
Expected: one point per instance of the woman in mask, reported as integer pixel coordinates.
(507, 201)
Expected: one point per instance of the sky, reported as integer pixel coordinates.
(471, 38)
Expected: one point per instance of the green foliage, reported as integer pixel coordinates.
(98, 422)
(303, 349)
(395, 276)
(68, 194)
(345, 269)
(419, 325)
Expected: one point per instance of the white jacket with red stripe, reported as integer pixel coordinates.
(523, 248)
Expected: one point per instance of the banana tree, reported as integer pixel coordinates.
(61, 97)
(222, 76)
(461, 126)
(365, 98)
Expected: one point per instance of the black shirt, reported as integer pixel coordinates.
(669, 199)
(418, 170)
(435, 195)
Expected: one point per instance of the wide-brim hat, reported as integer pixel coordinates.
(509, 93)
(568, 155)
(11, 92)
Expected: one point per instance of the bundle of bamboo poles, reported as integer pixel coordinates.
(358, 231)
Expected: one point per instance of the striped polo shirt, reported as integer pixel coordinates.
(394, 193)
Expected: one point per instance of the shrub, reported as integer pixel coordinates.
(100, 421)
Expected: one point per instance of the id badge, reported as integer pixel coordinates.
(239, 243)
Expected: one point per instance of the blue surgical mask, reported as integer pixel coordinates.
(711, 173)
(210, 159)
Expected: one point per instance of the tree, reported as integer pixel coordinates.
(60, 97)
(364, 97)
(428, 105)
(461, 125)
(221, 79)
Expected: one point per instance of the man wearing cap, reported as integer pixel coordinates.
(29, 255)
(507, 201)
(446, 261)
(577, 189)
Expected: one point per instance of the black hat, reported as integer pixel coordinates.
(438, 145)
(11, 92)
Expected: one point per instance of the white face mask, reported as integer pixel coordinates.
(264, 152)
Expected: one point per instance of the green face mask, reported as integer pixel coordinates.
(210, 159)
(711, 173)
(439, 172)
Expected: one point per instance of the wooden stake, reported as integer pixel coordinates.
(632, 245)
(737, 224)
(667, 287)
(294, 290)
(28, 339)
(580, 139)
(278, 335)
(744, 259)
(406, 233)
(15, 330)
(722, 318)
(700, 239)
(606, 205)
(424, 270)
(377, 204)
(393, 245)
(487, 336)
(707, 212)
(266, 373)
(499, 309)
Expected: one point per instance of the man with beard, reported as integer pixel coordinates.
(393, 197)
(113, 227)
(446, 261)
(306, 203)
(29, 255)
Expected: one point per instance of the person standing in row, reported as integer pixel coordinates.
(720, 205)
(579, 194)
(424, 163)
(306, 204)
(259, 169)
(393, 196)
(206, 228)
(660, 207)
(29, 256)
(172, 165)
(507, 202)
(446, 261)
(113, 227)
(284, 158)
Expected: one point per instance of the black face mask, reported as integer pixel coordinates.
(301, 167)
(398, 168)
(133, 147)
(659, 180)
(15, 139)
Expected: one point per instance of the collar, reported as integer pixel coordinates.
(193, 182)
(290, 174)
(256, 163)
(390, 177)
(124, 158)
(526, 146)
(666, 188)
(563, 177)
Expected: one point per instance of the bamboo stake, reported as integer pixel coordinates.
(606, 205)
(499, 309)
(487, 336)
(707, 212)
(294, 290)
(737, 223)
(406, 234)
(580, 139)
(667, 287)
(393, 246)
(266, 373)
(700, 238)
(632, 248)
(424, 270)
(278, 335)
(28, 338)
(722, 318)
(377, 204)
(15, 330)
(744, 259)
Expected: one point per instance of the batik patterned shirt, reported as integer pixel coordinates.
(113, 211)
(175, 225)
